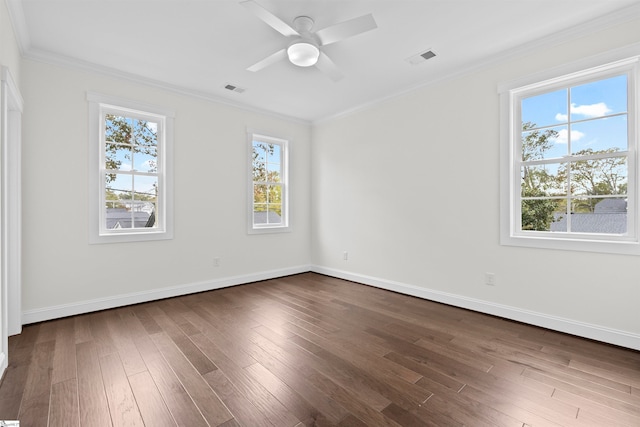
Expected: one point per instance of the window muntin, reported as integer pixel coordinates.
(268, 192)
(130, 194)
(572, 155)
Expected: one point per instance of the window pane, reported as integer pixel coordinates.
(266, 216)
(145, 188)
(274, 154)
(599, 135)
(259, 162)
(593, 215)
(599, 176)
(259, 194)
(119, 183)
(539, 214)
(274, 213)
(145, 133)
(118, 129)
(596, 99)
(259, 152)
(118, 193)
(151, 209)
(543, 180)
(145, 159)
(559, 221)
(544, 143)
(118, 157)
(273, 172)
(275, 194)
(546, 109)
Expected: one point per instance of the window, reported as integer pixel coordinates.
(269, 187)
(130, 197)
(570, 161)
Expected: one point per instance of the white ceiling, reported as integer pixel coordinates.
(199, 46)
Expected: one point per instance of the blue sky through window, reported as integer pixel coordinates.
(584, 115)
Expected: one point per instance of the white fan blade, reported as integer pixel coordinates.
(269, 60)
(346, 29)
(276, 23)
(327, 66)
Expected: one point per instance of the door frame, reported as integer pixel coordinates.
(11, 105)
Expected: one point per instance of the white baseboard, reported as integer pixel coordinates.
(581, 329)
(81, 307)
(586, 330)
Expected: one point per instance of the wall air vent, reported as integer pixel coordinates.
(234, 88)
(421, 57)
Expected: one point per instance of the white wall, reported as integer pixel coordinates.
(410, 189)
(63, 274)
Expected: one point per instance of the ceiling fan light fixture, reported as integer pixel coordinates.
(303, 54)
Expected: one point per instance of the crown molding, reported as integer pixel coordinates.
(76, 64)
(19, 24)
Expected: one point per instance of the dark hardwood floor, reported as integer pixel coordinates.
(310, 350)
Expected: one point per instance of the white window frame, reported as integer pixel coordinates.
(284, 226)
(99, 106)
(511, 94)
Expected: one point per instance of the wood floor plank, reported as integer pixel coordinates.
(15, 378)
(122, 403)
(351, 402)
(81, 329)
(359, 357)
(347, 375)
(214, 330)
(244, 411)
(246, 387)
(617, 412)
(178, 401)
(93, 405)
(292, 400)
(209, 404)
(64, 356)
(103, 341)
(124, 344)
(312, 350)
(384, 381)
(64, 410)
(153, 410)
(186, 346)
(281, 365)
(35, 411)
(39, 375)
(613, 399)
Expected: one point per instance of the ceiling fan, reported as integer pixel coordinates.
(304, 48)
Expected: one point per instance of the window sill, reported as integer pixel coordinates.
(270, 230)
(130, 237)
(568, 244)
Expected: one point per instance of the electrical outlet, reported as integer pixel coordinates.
(216, 262)
(490, 279)
(345, 256)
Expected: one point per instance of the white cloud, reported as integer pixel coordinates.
(563, 134)
(591, 110)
